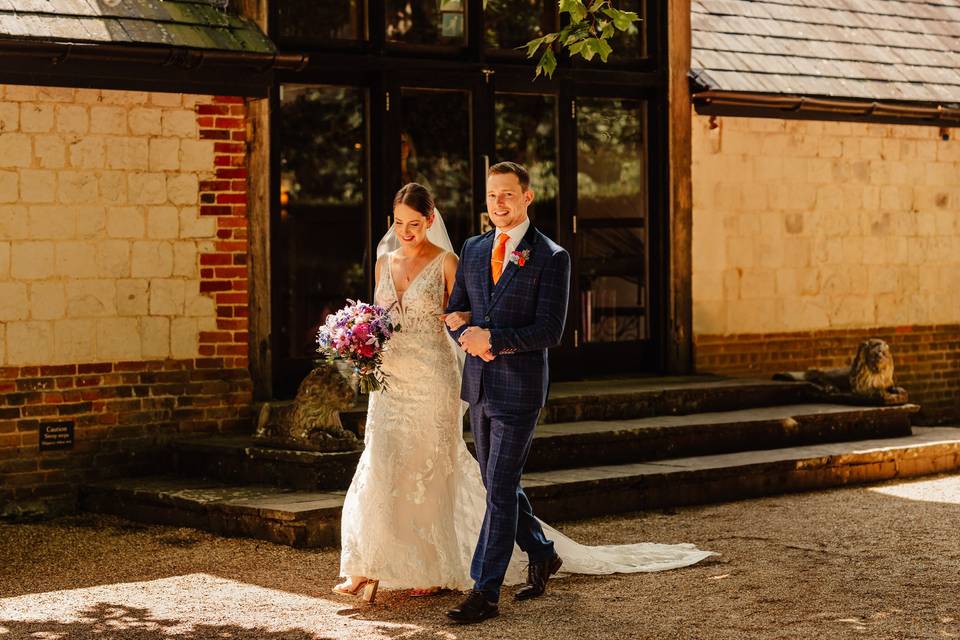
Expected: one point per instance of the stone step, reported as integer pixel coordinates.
(602, 490)
(606, 442)
(241, 459)
(307, 519)
(628, 398)
(566, 445)
(285, 516)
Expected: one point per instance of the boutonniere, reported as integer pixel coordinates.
(520, 258)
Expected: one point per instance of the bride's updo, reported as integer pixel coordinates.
(417, 197)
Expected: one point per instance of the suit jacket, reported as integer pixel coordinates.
(525, 313)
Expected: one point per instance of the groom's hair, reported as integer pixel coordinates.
(515, 168)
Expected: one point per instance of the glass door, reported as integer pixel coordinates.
(430, 139)
(611, 224)
(525, 131)
(320, 231)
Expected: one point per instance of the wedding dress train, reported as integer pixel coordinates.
(412, 514)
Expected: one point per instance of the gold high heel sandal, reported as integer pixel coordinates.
(350, 591)
(370, 591)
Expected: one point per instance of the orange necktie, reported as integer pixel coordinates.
(496, 260)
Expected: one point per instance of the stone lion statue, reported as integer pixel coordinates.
(312, 420)
(868, 379)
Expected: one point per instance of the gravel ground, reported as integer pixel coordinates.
(877, 562)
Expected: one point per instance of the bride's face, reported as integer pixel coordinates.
(410, 225)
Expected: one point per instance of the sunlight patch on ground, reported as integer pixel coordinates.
(936, 490)
(197, 605)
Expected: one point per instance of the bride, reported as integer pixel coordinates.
(413, 512)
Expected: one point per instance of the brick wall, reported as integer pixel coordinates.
(123, 287)
(811, 236)
(926, 359)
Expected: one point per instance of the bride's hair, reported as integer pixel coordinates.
(417, 197)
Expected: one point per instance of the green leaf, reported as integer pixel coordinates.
(547, 65)
(588, 50)
(606, 29)
(533, 45)
(575, 8)
(621, 19)
(596, 5)
(577, 47)
(603, 48)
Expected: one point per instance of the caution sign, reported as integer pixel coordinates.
(56, 436)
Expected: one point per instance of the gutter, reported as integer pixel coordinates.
(728, 102)
(169, 56)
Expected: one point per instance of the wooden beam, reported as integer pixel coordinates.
(679, 349)
(258, 212)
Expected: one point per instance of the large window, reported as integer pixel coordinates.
(320, 247)
(526, 132)
(312, 21)
(509, 24)
(434, 92)
(436, 22)
(612, 204)
(504, 27)
(435, 152)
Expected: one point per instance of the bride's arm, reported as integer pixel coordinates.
(455, 319)
(376, 271)
(458, 299)
(450, 263)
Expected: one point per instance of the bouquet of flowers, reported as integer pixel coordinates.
(357, 333)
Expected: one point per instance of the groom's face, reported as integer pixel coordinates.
(507, 200)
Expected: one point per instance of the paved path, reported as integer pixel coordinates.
(877, 563)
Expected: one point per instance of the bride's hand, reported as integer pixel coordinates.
(456, 319)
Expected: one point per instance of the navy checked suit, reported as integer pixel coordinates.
(525, 313)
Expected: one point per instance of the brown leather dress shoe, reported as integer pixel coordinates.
(476, 608)
(537, 575)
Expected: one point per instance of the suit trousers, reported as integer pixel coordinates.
(503, 437)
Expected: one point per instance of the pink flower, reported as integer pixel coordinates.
(366, 350)
(361, 332)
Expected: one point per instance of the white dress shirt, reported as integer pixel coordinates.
(516, 235)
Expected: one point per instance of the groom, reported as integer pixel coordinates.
(515, 282)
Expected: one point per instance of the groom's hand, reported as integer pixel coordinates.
(475, 341)
(488, 356)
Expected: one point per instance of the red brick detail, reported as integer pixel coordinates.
(224, 197)
(122, 413)
(926, 359)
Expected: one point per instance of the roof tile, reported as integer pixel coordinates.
(181, 23)
(868, 49)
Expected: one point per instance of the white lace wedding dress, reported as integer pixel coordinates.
(412, 514)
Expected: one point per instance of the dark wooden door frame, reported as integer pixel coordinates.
(678, 305)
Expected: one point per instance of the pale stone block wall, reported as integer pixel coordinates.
(100, 230)
(803, 225)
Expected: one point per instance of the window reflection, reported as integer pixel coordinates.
(509, 24)
(320, 243)
(435, 152)
(611, 213)
(630, 45)
(313, 21)
(440, 22)
(526, 133)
